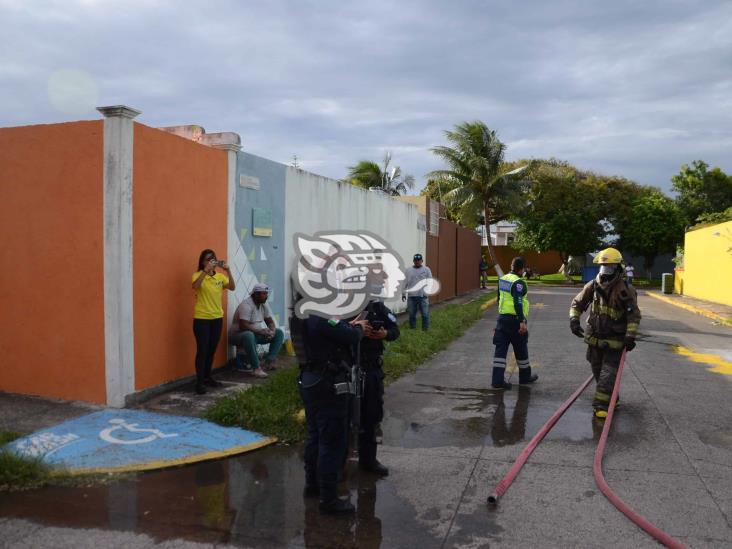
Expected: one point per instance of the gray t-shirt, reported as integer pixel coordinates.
(248, 310)
(414, 275)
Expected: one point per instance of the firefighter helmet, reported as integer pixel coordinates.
(608, 256)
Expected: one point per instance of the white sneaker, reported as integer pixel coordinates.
(260, 373)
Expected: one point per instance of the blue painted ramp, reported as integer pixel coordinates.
(132, 440)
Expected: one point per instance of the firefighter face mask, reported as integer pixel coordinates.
(607, 272)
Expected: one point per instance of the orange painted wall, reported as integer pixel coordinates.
(541, 262)
(179, 208)
(52, 280)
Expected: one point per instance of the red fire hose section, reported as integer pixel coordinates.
(526, 452)
(658, 534)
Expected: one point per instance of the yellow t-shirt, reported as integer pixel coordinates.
(208, 296)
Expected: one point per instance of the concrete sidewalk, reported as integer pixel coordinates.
(716, 311)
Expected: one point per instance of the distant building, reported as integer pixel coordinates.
(502, 233)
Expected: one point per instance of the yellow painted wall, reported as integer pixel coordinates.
(419, 201)
(708, 263)
(679, 281)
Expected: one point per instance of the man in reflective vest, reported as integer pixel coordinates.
(611, 326)
(513, 309)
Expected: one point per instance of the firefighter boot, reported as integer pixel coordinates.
(600, 413)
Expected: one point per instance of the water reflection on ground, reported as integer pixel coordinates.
(251, 500)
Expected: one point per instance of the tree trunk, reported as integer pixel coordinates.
(647, 264)
(491, 251)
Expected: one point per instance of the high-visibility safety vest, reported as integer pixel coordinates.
(505, 298)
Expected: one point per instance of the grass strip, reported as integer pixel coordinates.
(16, 471)
(274, 407)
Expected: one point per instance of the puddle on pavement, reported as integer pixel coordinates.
(718, 439)
(488, 417)
(252, 500)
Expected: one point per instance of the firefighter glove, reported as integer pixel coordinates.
(629, 343)
(577, 330)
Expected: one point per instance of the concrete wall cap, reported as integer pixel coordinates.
(119, 111)
(193, 132)
(222, 140)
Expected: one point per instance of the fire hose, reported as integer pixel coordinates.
(623, 507)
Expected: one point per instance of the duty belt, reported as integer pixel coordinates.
(344, 388)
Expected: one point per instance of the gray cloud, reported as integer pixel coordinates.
(627, 88)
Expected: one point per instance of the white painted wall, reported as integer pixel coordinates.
(316, 203)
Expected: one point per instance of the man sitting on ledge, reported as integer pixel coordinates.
(253, 325)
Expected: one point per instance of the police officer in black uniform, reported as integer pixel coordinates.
(325, 388)
(381, 326)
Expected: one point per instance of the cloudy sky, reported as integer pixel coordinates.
(624, 87)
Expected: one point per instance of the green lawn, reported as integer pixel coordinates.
(272, 408)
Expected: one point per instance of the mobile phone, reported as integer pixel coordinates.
(220, 263)
(376, 324)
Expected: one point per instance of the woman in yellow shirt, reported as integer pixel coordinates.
(208, 314)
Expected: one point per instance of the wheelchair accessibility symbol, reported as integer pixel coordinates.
(108, 434)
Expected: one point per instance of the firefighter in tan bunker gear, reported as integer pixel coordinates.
(611, 326)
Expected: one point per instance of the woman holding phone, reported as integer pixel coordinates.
(208, 314)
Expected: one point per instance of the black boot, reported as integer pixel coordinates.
(529, 379)
(336, 506)
(505, 385)
(200, 389)
(211, 382)
(375, 467)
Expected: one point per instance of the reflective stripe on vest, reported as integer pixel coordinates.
(505, 299)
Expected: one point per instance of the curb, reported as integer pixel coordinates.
(488, 303)
(709, 314)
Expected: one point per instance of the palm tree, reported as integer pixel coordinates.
(369, 175)
(477, 182)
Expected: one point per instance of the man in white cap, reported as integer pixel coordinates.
(253, 325)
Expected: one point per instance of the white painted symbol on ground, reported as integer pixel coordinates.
(45, 444)
(106, 434)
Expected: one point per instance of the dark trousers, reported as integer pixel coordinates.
(507, 333)
(372, 412)
(604, 363)
(208, 333)
(326, 415)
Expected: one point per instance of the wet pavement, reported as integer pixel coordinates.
(448, 438)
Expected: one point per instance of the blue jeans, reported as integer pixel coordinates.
(423, 304)
(249, 341)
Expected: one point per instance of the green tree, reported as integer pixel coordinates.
(701, 190)
(433, 191)
(617, 196)
(563, 212)
(369, 175)
(477, 182)
(655, 227)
